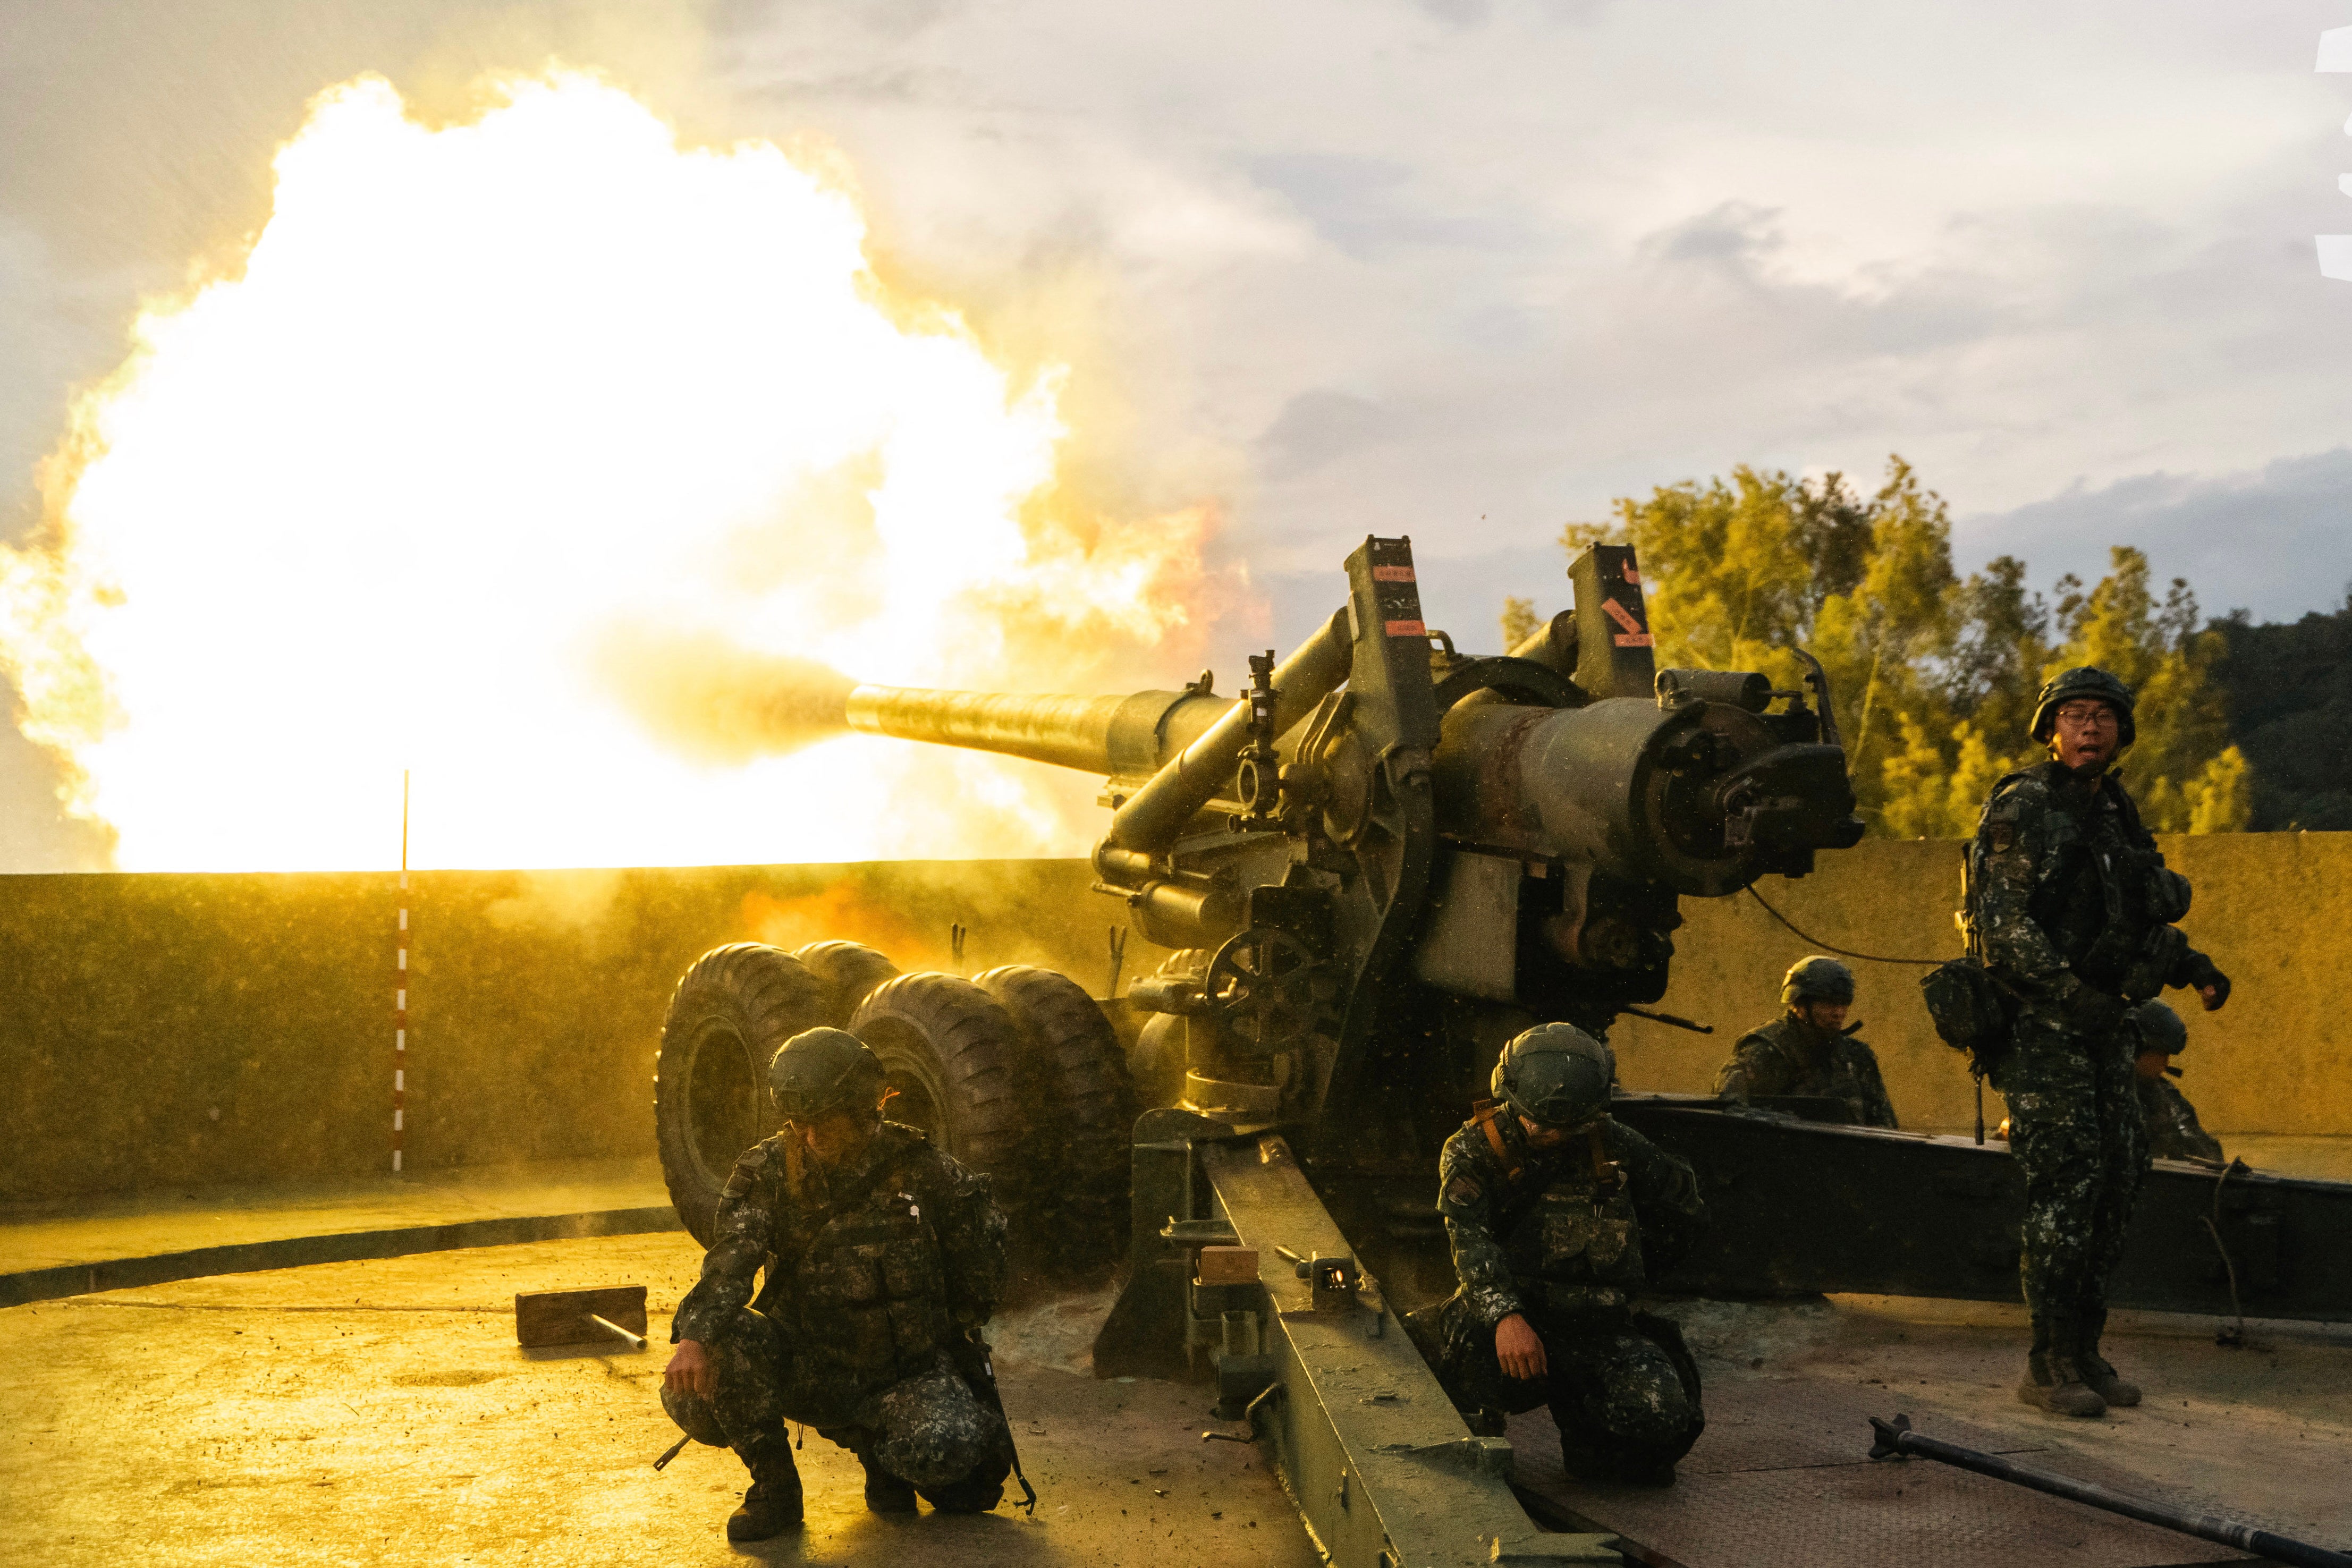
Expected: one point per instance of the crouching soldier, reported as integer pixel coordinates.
(1555, 1213)
(884, 1258)
(2174, 1132)
(1811, 1048)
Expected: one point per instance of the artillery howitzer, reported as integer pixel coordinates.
(1374, 867)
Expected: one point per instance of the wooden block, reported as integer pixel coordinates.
(1228, 1266)
(561, 1317)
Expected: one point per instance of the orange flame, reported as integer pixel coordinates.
(487, 399)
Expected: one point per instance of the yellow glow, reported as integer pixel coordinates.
(485, 396)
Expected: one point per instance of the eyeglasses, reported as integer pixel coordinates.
(2089, 716)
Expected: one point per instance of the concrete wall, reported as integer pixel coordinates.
(2273, 909)
(158, 1029)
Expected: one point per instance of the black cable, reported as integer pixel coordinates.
(1841, 951)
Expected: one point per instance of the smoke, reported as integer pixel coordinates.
(718, 702)
(489, 401)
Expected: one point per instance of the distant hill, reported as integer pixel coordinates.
(2289, 695)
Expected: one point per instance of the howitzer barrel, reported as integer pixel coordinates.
(1112, 735)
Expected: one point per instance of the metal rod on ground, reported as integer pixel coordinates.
(1897, 1440)
(636, 1341)
(400, 994)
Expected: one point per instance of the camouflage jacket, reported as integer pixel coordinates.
(1537, 1228)
(2067, 889)
(2173, 1131)
(905, 1223)
(1789, 1056)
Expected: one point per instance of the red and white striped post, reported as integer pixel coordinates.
(400, 992)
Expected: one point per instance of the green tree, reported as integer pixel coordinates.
(1933, 676)
(1519, 622)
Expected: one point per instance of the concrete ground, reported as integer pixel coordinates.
(2261, 1434)
(379, 1411)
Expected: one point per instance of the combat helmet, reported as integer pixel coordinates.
(2084, 680)
(1817, 980)
(1555, 1074)
(823, 1070)
(2160, 1027)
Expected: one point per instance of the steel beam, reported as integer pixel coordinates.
(1382, 1468)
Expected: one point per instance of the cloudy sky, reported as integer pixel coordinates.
(1465, 269)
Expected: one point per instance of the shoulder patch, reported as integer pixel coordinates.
(1463, 1191)
(2001, 834)
(753, 1157)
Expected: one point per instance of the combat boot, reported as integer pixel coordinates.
(771, 1504)
(2054, 1384)
(2097, 1371)
(885, 1493)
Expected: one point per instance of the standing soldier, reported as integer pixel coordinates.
(1811, 1048)
(2173, 1131)
(2071, 907)
(884, 1257)
(1556, 1214)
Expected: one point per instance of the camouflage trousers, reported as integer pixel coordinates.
(929, 1430)
(2076, 1129)
(1622, 1387)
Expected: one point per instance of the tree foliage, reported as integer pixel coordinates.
(1934, 674)
(2290, 690)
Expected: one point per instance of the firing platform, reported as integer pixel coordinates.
(374, 1406)
(381, 1412)
(1781, 1475)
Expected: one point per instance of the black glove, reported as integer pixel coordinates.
(2090, 1010)
(2200, 973)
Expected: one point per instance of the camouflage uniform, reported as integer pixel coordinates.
(2072, 904)
(1791, 1056)
(879, 1278)
(1569, 1247)
(2173, 1131)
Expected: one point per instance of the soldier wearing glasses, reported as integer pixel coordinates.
(2072, 909)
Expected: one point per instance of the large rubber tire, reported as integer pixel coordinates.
(1084, 1127)
(851, 970)
(727, 1016)
(953, 1056)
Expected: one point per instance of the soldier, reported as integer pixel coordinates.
(1555, 1213)
(1809, 1048)
(2071, 907)
(2173, 1131)
(884, 1257)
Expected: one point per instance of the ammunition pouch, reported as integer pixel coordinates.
(2166, 947)
(2167, 894)
(1971, 1010)
(2088, 1011)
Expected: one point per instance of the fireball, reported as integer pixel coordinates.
(498, 421)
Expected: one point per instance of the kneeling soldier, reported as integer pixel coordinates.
(884, 1258)
(2174, 1133)
(1555, 1213)
(1809, 1048)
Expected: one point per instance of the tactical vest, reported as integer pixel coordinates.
(1576, 1245)
(2102, 894)
(871, 1290)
